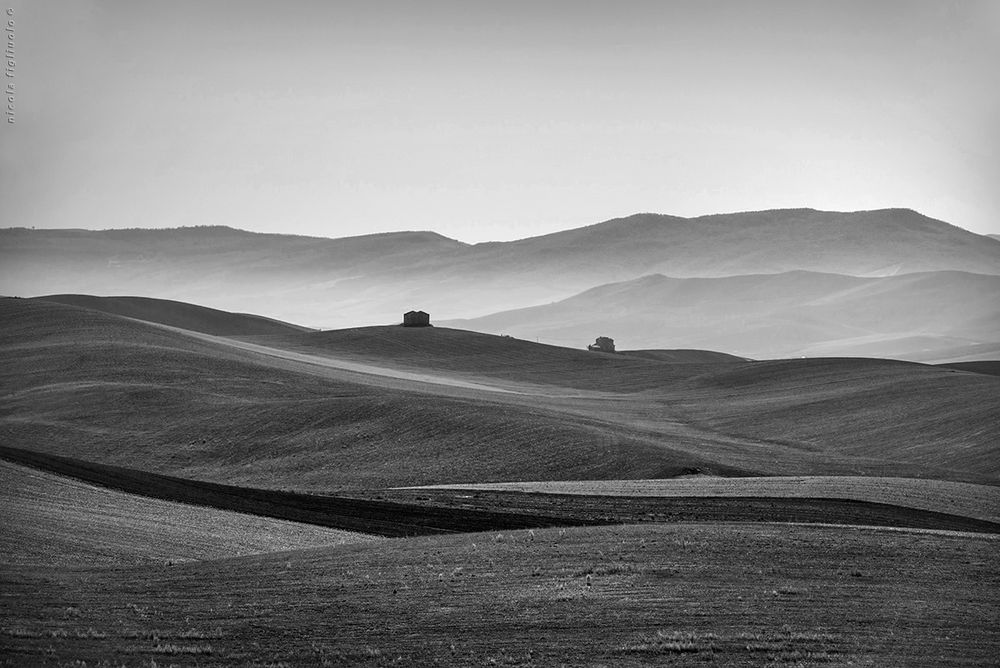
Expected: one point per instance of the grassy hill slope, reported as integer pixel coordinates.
(416, 511)
(877, 411)
(860, 408)
(625, 596)
(94, 386)
(683, 356)
(108, 389)
(179, 314)
(50, 520)
(990, 367)
(475, 355)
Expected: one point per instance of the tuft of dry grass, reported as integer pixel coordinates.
(671, 642)
(170, 648)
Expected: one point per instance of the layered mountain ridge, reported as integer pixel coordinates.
(372, 279)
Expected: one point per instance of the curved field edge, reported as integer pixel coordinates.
(383, 518)
(718, 594)
(419, 512)
(942, 496)
(53, 520)
(607, 509)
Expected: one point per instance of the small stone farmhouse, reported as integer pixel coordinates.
(416, 319)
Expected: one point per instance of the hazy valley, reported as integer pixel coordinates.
(609, 275)
(935, 317)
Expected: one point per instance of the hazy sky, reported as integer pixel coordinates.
(499, 119)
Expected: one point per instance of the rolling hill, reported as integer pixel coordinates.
(991, 367)
(685, 356)
(933, 316)
(295, 414)
(806, 495)
(51, 520)
(723, 595)
(338, 283)
(472, 355)
(179, 314)
(108, 389)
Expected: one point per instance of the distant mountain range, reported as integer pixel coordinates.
(373, 279)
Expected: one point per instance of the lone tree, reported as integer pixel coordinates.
(604, 344)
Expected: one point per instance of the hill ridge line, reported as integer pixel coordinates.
(618, 219)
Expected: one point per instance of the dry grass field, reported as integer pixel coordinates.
(689, 594)
(427, 510)
(99, 387)
(942, 419)
(991, 367)
(371, 516)
(179, 314)
(708, 512)
(52, 520)
(92, 386)
(393, 406)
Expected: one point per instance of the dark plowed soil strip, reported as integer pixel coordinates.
(413, 512)
(634, 509)
(989, 367)
(383, 518)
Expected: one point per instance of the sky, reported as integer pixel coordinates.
(487, 120)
